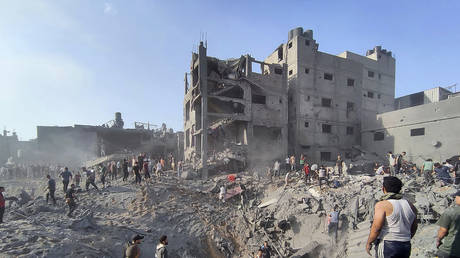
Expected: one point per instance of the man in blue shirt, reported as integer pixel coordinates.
(442, 173)
(66, 176)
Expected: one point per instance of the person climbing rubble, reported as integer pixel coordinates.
(161, 251)
(457, 172)
(392, 163)
(103, 174)
(66, 176)
(394, 222)
(50, 189)
(339, 164)
(292, 163)
(333, 222)
(442, 174)
(449, 231)
(77, 179)
(70, 200)
(264, 251)
(306, 169)
(132, 249)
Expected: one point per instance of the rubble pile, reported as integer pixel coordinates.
(292, 218)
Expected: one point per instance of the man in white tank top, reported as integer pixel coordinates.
(395, 223)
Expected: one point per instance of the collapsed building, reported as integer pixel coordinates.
(235, 111)
(324, 105)
(73, 145)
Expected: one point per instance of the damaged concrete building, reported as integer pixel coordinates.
(235, 111)
(329, 95)
(323, 104)
(425, 125)
(79, 143)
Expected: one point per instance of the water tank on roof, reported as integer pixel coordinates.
(295, 32)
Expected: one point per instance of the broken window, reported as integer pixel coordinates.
(417, 132)
(327, 128)
(307, 42)
(187, 138)
(258, 99)
(290, 44)
(350, 106)
(256, 67)
(379, 136)
(350, 82)
(370, 74)
(187, 111)
(325, 156)
(280, 53)
(325, 102)
(370, 94)
(328, 76)
(350, 130)
(305, 147)
(278, 71)
(195, 76)
(307, 124)
(290, 72)
(307, 70)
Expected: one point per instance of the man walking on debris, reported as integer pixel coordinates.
(322, 175)
(70, 200)
(90, 179)
(339, 164)
(428, 170)
(50, 188)
(395, 222)
(125, 170)
(132, 249)
(66, 176)
(146, 170)
(276, 169)
(136, 169)
(161, 251)
(292, 161)
(2, 204)
(392, 163)
(104, 172)
(457, 171)
(447, 241)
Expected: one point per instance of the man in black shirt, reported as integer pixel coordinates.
(51, 188)
(125, 170)
(457, 171)
(70, 200)
(136, 169)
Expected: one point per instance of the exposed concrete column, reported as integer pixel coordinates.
(248, 66)
(203, 81)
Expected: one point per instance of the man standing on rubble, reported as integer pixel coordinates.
(125, 170)
(339, 164)
(70, 200)
(2, 204)
(428, 170)
(322, 175)
(50, 188)
(333, 220)
(449, 231)
(90, 178)
(136, 169)
(276, 168)
(66, 176)
(161, 251)
(392, 163)
(457, 171)
(292, 161)
(132, 249)
(395, 222)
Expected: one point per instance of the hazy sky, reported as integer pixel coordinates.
(78, 62)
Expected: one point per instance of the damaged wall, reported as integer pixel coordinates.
(245, 109)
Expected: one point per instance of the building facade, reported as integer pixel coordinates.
(329, 95)
(234, 111)
(423, 131)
